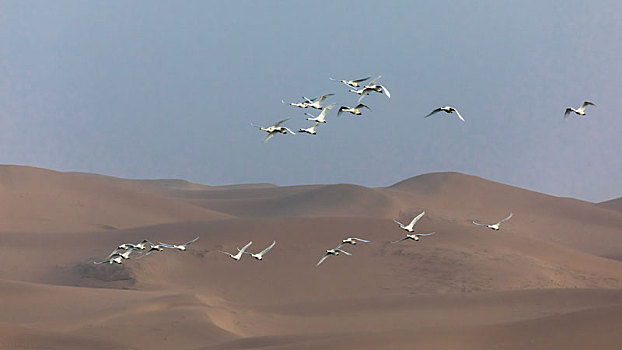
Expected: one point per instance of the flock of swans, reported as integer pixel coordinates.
(317, 103)
(123, 251)
(359, 87)
(362, 89)
(117, 256)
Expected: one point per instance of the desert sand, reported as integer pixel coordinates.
(551, 278)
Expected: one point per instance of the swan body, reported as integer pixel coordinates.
(446, 109)
(352, 241)
(114, 260)
(259, 256)
(238, 256)
(496, 226)
(330, 252)
(321, 118)
(355, 110)
(414, 237)
(410, 227)
(310, 130)
(579, 111)
(275, 129)
(317, 103)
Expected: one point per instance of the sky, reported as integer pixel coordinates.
(169, 89)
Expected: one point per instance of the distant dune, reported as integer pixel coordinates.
(613, 204)
(38, 200)
(551, 278)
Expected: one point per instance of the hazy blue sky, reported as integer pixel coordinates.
(162, 89)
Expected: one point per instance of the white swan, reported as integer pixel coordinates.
(414, 237)
(361, 92)
(275, 128)
(317, 102)
(352, 83)
(154, 248)
(321, 118)
(115, 260)
(124, 255)
(446, 109)
(240, 251)
(259, 256)
(579, 111)
(330, 252)
(377, 87)
(356, 110)
(310, 130)
(351, 240)
(179, 246)
(496, 226)
(410, 226)
(303, 104)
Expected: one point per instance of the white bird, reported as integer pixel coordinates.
(321, 118)
(410, 226)
(351, 240)
(115, 260)
(377, 87)
(124, 255)
(303, 104)
(126, 246)
(579, 111)
(361, 92)
(356, 110)
(240, 251)
(154, 248)
(330, 252)
(446, 109)
(317, 102)
(275, 128)
(179, 246)
(494, 226)
(352, 83)
(310, 130)
(141, 245)
(259, 256)
(414, 237)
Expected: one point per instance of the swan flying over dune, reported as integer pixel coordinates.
(496, 226)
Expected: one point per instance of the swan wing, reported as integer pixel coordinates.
(434, 112)
(568, 110)
(399, 240)
(267, 249)
(412, 223)
(192, 241)
(322, 259)
(425, 234)
(360, 80)
(506, 219)
(458, 113)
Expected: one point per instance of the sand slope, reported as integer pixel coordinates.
(33, 199)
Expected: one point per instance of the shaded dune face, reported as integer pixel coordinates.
(551, 275)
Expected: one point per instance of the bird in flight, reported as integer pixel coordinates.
(351, 83)
(579, 111)
(494, 226)
(446, 109)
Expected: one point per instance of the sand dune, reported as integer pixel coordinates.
(551, 278)
(39, 200)
(613, 204)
